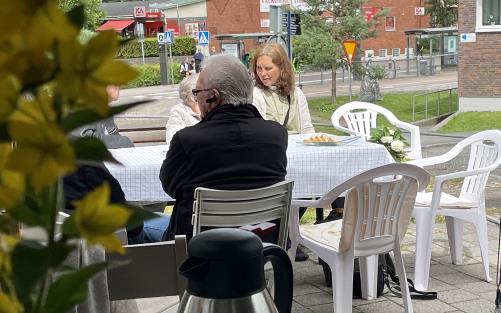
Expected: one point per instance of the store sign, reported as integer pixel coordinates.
(419, 11)
(369, 13)
(264, 5)
(156, 15)
(139, 11)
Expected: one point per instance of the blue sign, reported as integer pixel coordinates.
(203, 38)
(169, 38)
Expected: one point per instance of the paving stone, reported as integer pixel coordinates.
(456, 278)
(298, 308)
(431, 306)
(479, 287)
(475, 306)
(440, 269)
(380, 307)
(456, 295)
(314, 299)
(304, 289)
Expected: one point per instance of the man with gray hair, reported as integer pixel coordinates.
(233, 147)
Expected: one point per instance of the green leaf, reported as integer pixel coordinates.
(71, 289)
(28, 215)
(138, 216)
(4, 132)
(88, 116)
(77, 16)
(29, 267)
(92, 149)
(70, 229)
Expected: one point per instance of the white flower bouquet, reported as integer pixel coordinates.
(393, 140)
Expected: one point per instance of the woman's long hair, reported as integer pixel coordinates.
(285, 83)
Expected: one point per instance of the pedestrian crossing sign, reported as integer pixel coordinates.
(169, 37)
(203, 38)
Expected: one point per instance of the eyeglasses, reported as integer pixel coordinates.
(196, 91)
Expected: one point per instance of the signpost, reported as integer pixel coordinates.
(140, 35)
(291, 22)
(169, 39)
(349, 47)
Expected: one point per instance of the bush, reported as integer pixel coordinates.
(149, 75)
(183, 46)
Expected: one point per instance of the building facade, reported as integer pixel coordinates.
(479, 73)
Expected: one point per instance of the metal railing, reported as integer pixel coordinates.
(434, 102)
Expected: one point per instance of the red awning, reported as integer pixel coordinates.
(118, 26)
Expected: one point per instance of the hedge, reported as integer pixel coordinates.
(183, 45)
(149, 75)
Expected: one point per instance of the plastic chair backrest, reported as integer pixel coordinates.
(234, 208)
(151, 271)
(378, 207)
(361, 118)
(482, 155)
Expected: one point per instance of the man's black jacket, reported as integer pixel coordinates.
(231, 148)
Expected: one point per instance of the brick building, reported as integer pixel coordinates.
(479, 73)
(391, 41)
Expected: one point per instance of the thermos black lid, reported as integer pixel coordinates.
(225, 243)
(224, 263)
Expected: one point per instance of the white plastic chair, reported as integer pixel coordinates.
(468, 206)
(361, 117)
(233, 208)
(151, 270)
(377, 212)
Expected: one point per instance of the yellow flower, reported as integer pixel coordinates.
(29, 54)
(97, 219)
(9, 304)
(11, 183)
(42, 152)
(7, 244)
(9, 89)
(87, 70)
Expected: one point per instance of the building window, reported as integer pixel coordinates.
(390, 23)
(369, 53)
(411, 51)
(488, 15)
(382, 53)
(395, 52)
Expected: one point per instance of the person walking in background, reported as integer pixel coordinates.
(233, 147)
(186, 113)
(199, 57)
(275, 95)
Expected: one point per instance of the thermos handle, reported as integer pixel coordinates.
(282, 274)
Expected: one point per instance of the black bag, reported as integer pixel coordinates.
(357, 283)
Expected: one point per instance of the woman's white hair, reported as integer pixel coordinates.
(185, 87)
(228, 75)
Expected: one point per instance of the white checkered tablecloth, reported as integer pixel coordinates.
(314, 169)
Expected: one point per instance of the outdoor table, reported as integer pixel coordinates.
(315, 169)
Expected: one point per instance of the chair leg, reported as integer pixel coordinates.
(293, 234)
(455, 234)
(425, 222)
(483, 240)
(342, 281)
(399, 266)
(368, 276)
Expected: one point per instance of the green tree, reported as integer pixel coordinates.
(325, 26)
(93, 11)
(443, 13)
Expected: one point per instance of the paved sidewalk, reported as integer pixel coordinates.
(460, 287)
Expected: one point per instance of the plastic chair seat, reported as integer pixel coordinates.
(326, 233)
(447, 201)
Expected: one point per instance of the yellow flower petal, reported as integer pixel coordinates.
(101, 48)
(11, 188)
(9, 89)
(115, 72)
(97, 220)
(9, 304)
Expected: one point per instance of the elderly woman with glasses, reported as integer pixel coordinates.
(186, 113)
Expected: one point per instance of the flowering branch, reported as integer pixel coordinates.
(393, 140)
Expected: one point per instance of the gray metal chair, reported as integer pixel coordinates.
(233, 208)
(151, 271)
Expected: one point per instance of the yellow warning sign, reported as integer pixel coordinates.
(349, 47)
